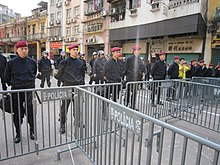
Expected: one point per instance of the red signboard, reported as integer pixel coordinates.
(56, 45)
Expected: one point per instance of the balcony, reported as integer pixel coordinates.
(16, 39)
(36, 37)
(6, 40)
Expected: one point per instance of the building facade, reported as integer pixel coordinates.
(177, 27)
(8, 15)
(212, 51)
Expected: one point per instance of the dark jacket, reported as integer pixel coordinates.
(91, 63)
(20, 71)
(199, 71)
(191, 73)
(71, 71)
(208, 72)
(112, 71)
(134, 68)
(217, 73)
(3, 62)
(98, 66)
(173, 71)
(44, 65)
(158, 70)
(58, 61)
(84, 65)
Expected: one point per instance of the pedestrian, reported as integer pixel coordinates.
(204, 68)
(45, 68)
(217, 72)
(98, 67)
(71, 72)
(82, 58)
(209, 72)
(3, 62)
(112, 72)
(183, 68)
(192, 69)
(91, 63)
(199, 71)
(173, 73)
(148, 71)
(158, 72)
(134, 71)
(20, 73)
(61, 58)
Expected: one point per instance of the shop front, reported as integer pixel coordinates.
(188, 49)
(55, 49)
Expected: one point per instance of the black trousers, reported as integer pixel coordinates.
(99, 78)
(4, 87)
(156, 91)
(45, 76)
(22, 105)
(131, 94)
(113, 90)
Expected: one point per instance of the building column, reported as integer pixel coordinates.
(38, 50)
(208, 48)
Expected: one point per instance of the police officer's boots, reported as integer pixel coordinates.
(17, 138)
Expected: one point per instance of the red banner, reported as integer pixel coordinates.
(55, 45)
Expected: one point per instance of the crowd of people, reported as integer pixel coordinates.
(21, 72)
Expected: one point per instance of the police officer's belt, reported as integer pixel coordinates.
(29, 83)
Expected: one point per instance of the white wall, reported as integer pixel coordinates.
(145, 16)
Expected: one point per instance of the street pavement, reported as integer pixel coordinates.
(50, 156)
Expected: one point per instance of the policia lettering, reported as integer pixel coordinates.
(50, 95)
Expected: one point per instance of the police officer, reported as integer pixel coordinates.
(91, 63)
(209, 72)
(199, 71)
(134, 71)
(158, 72)
(98, 67)
(44, 67)
(173, 73)
(2, 69)
(61, 58)
(71, 72)
(20, 73)
(217, 72)
(112, 72)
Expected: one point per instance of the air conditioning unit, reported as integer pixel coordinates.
(59, 38)
(68, 21)
(51, 39)
(103, 13)
(58, 21)
(59, 4)
(54, 38)
(66, 39)
(67, 2)
(73, 20)
(51, 23)
(155, 6)
(113, 10)
(73, 39)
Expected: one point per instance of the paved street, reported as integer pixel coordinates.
(50, 156)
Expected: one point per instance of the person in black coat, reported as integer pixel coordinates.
(98, 67)
(82, 58)
(71, 71)
(148, 71)
(158, 72)
(112, 72)
(209, 72)
(61, 58)
(44, 67)
(217, 72)
(192, 69)
(20, 73)
(199, 71)
(2, 69)
(173, 73)
(91, 63)
(134, 70)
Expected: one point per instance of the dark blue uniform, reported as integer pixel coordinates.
(20, 73)
(112, 74)
(199, 71)
(133, 70)
(61, 58)
(2, 69)
(71, 71)
(158, 72)
(98, 70)
(44, 66)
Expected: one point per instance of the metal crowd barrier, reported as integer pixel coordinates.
(192, 102)
(106, 131)
(207, 80)
(116, 134)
